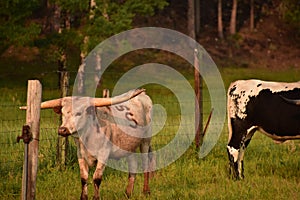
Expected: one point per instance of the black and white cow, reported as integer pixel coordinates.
(259, 105)
(106, 128)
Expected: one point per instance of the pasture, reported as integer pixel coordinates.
(271, 170)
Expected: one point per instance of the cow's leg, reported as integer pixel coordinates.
(236, 132)
(97, 178)
(84, 171)
(245, 142)
(132, 166)
(146, 150)
(236, 150)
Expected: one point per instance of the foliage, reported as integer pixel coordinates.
(16, 28)
(291, 12)
(107, 18)
(22, 21)
(73, 6)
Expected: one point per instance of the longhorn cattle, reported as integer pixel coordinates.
(260, 105)
(106, 128)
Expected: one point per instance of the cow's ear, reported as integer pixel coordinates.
(57, 109)
(90, 110)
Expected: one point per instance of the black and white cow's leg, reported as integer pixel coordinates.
(233, 154)
(244, 143)
(132, 167)
(236, 150)
(84, 172)
(97, 178)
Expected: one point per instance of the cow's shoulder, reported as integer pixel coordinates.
(244, 87)
(143, 98)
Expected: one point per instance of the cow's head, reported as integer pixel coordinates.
(76, 111)
(236, 167)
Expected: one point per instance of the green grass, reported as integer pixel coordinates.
(271, 170)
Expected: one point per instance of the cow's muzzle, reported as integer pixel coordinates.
(63, 131)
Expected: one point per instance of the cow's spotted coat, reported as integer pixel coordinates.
(258, 105)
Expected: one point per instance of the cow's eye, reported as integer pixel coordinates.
(78, 114)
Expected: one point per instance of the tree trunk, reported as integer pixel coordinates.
(62, 21)
(56, 19)
(191, 18)
(197, 17)
(84, 53)
(220, 21)
(232, 28)
(251, 15)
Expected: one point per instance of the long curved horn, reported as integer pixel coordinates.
(291, 101)
(51, 103)
(98, 102)
(47, 104)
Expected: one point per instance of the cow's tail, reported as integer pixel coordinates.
(230, 106)
(152, 162)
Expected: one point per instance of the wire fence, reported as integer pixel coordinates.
(12, 120)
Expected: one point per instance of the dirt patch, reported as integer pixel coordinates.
(272, 44)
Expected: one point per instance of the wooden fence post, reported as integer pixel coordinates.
(34, 96)
(63, 142)
(192, 25)
(199, 101)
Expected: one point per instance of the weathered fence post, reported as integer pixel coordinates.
(199, 101)
(34, 96)
(62, 142)
(81, 79)
(192, 25)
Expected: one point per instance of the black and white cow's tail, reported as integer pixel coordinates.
(230, 108)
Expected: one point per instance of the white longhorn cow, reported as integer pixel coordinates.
(106, 128)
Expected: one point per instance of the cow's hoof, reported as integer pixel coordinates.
(83, 197)
(146, 192)
(128, 194)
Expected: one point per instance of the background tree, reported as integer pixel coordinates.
(61, 26)
(251, 15)
(220, 20)
(191, 19)
(290, 11)
(90, 22)
(197, 17)
(17, 26)
(232, 27)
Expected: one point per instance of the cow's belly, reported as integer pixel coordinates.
(280, 136)
(286, 126)
(273, 115)
(124, 145)
(117, 154)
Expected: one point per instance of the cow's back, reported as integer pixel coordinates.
(256, 103)
(126, 124)
(241, 92)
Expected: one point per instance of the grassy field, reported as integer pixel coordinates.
(271, 171)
